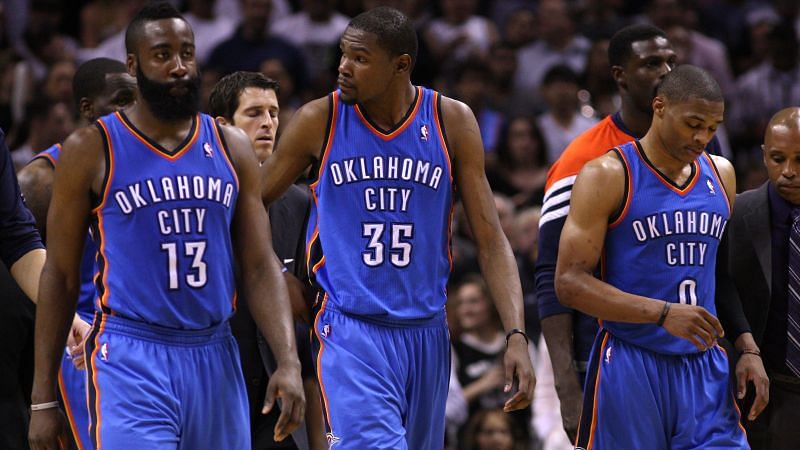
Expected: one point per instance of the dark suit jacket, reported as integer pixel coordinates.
(748, 250)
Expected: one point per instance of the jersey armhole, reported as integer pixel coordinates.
(619, 213)
(313, 174)
(440, 124)
(719, 179)
(97, 200)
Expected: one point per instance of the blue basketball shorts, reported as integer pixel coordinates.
(158, 388)
(639, 399)
(383, 386)
(72, 394)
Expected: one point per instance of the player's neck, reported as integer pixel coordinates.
(157, 128)
(389, 109)
(636, 121)
(656, 152)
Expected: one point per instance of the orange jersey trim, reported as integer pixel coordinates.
(666, 181)
(319, 363)
(92, 360)
(593, 428)
(99, 212)
(629, 191)
(328, 144)
(401, 128)
(719, 181)
(440, 131)
(178, 153)
(225, 150)
(68, 409)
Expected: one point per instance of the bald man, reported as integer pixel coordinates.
(763, 259)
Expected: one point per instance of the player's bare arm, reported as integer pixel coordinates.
(264, 286)
(596, 196)
(494, 252)
(300, 145)
(80, 176)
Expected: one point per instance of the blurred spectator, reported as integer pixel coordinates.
(519, 169)
(600, 85)
(287, 97)
(209, 27)
(113, 46)
(460, 34)
(520, 28)
(760, 23)
(770, 87)
(678, 18)
(7, 63)
(558, 44)
(600, 19)
(58, 82)
(316, 29)
(494, 430)
(562, 121)
(503, 66)
(47, 122)
(478, 351)
(473, 86)
(252, 43)
(547, 422)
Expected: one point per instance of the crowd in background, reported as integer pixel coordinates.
(535, 73)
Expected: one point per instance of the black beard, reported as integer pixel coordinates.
(163, 104)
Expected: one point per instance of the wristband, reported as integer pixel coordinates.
(41, 406)
(751, 351)
(664, 313)
(517, 331)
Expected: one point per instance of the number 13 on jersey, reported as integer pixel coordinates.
(398, 240)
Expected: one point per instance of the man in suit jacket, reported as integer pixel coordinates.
(759, 257)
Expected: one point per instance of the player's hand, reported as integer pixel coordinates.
(751, 368)
(48, 430)
(517, 362)
(571, 398)
(286, 386)
(77, 336)
(693, 323)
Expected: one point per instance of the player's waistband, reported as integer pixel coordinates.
(159, 334)
(438, 319)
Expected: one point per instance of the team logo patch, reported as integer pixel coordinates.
(424, 133)
(332, 439)
(208, 150)
(710, 187)
(326, 330)
(608, 355)
(104, 351)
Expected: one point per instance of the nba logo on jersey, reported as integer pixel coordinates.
(104, 352)
(710, 187)
(332, 439)
(208, 150)
(423, 132)
(326, 330)
(608, 355)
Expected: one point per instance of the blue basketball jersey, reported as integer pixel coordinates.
(664, 244)
(379, 231)
(86, 296)
(163, 227)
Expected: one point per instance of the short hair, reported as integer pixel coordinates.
(560, 73)
(90, 78)
(686, 81)
(394, 31)
(224, 98)
(149, 13)
(619, 47)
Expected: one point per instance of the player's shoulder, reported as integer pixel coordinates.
(589, 145)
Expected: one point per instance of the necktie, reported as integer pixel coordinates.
(793, 324)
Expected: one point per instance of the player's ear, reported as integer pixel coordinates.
(659, 104)
(85, 108)
(618, 73)
(221, 120)
(403, 63)
(132, 63)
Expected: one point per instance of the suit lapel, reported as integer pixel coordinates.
(757, 221)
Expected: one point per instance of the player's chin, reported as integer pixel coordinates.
(347, 98)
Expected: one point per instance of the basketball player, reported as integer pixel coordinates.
(653, 212)
(387, 156)
(101, 86)
(249, 100)
(171, 197)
